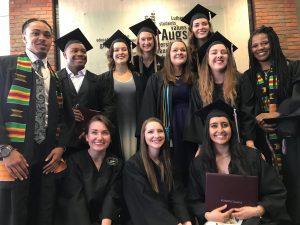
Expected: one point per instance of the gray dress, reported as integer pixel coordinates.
(126, 114)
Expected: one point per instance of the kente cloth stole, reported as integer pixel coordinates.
(18, 99)
(267, 83)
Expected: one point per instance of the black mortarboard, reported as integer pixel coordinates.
(118, 35)
(288, 122)
(75, 35)
(198, 12)
(145, 26)
(217, 38)
(219, 109)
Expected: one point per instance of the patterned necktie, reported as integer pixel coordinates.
(40, 116)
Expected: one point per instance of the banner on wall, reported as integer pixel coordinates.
(98, 20)
(170, 31)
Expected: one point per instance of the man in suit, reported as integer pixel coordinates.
(31, 108)
(84, 89)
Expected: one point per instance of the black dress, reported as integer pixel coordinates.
(245, 103)
(271, 192)
(86, 195)
(153, 106)
(140, 67)
(147, 207)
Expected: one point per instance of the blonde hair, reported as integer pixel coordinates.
(139, 51)
(206, 83)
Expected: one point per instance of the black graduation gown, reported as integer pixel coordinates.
(86, 195)
(29, 201)
(245, 101)
(148, 71)
(291, 161)
(147, 207)
(182, 152)
(93, 94)
(271, 192)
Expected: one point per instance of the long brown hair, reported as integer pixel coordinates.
(164, 157)
(206, 83)
(168, 69)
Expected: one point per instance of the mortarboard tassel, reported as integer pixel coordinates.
(236, 124)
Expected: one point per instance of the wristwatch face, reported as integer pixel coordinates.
(5, 150)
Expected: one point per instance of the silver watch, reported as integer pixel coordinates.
(5, 150)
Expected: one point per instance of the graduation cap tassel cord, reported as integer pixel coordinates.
(236, 124)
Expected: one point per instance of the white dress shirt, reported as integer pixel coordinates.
(77, 79)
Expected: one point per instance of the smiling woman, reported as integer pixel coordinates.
(219, 79)
(221, 153)
(167, 97)
(153, 193)
(128, 87)
(90, 192)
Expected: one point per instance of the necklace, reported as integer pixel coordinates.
(178, 77)
(41, 76)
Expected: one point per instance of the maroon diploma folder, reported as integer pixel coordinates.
(234, 190)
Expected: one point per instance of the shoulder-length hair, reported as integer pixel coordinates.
(168, 69)
(164, 157)
(110, 52)
(208, 155)
(139, 51)
(103, 119)
(277, 58)
(206, 83)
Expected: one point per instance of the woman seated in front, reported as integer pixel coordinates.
(90, 193)
(152, 194)
(221, 153)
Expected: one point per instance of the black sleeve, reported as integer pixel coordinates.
(272, 193)
(144, 205)
(178, 201)
(72, 207)
(193, 130)
(246, 108)
(107, 95)
(149, 102)
(111, 207)
(196, 191)
(8, 66)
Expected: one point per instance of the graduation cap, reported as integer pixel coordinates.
(219, 109)
(217, 38)
(145, 26)
(118, 35)
(288, 122)
(75, 35)
(198, 12)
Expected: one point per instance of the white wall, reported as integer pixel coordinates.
(4, 27)
(98, 19)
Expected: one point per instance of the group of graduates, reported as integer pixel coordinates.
(133, 145)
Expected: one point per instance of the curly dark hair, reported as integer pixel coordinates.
(277, 58)
(110, 52)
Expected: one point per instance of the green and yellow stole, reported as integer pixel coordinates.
(18, 98)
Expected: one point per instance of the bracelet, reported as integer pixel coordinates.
(258, 213)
